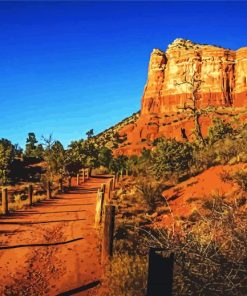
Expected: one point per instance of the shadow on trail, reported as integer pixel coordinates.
(41, 245)
(38, 222)
(61, 212)
(101, 177)
(80, 289)
(69, 205)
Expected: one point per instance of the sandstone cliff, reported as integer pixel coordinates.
(223, 73)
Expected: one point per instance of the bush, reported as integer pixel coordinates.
(151, 193)
(240, 177)
(171, 156)
(219, 130)
(126, 276)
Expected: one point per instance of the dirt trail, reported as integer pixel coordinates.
(52, 248)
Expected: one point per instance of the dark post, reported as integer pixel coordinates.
(70, 180)
(5, 207)
(114, 181)
(83, 175)
(30, 195)
(77, 179)
(102, 188)
(108, 232)
(160, 273)
(109, 189)
(49, 189)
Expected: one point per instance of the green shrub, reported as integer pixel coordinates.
(219, 130)
(171, 156)
(151, 193)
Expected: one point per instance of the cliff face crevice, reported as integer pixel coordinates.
(223, 72)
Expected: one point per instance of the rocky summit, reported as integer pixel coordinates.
(223, 76)
(223, 73)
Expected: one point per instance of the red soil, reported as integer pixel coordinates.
(188, 196)
(50, 269)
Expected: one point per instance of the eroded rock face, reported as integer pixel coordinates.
(223, 72)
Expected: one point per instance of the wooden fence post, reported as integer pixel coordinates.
(77, 179)
(87, 174)
(49, 189)
(114, 181)
(30, 195)
(61, 185)
(5, 206)
(102, 188)
(70, 180)
(83, 175)
(109, 189)
(108, 233)
(99, 207)
(160, 273)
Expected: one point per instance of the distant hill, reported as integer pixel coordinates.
(111, 138)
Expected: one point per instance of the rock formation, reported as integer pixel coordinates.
(223, 73)
(223, 76)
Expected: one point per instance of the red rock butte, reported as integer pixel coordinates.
(223, 73)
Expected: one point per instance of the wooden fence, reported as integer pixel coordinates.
(160, 264)
(83, 175)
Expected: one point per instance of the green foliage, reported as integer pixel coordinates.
(219, 130)
(171, 156)
(32, 148)
(239, 177)
(105, 157)
(90, 133)
(7, 153)
(118, 164)
(55, 157)
(82, 154)
(151, 192)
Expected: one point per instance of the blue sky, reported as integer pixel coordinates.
(67, 67)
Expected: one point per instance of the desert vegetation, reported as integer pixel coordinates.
(208, 240)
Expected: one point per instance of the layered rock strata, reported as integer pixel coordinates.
(223, 73)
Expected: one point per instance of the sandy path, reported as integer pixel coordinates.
(53, 247)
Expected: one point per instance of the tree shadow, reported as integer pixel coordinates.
(80, 289)
(38, 222)
(41, 245)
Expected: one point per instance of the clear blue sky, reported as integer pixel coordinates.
(68, 67)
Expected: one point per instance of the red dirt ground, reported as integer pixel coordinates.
(30, 261)
(188, 196)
